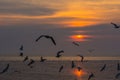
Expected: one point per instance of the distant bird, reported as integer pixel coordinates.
(31, 62)
(81, 57)
(59, 53)
(60, 69)
(73, 64)
(103, 68)
(75, 43)
(115, 25)
(118, 66)
(91, 76)
(48, 37)
(25, 59)
(79, 68)
(21, 54)
(5, 69)
(117, 76)
(91, 50)
(21, 48)
(42, 59)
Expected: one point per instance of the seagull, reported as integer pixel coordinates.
(26, 58)
(42, 59)
(91, 50)
(73, 65)
(5, 69)
(115, 25)
(79, 68)
(118, 66)
(48, 37)
(103, 68)
(59, 53)
(75, 43)
(21, 54)
(117, 75)
(61, 68)
(90, 76)
(81, 57)
(31, 62)
(21, 48)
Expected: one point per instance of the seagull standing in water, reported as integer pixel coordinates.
(73, 64)
(5, 69)
(42, 59)
(21, 51)
(118, 66)
(48, 37)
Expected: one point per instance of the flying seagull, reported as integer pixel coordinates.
(60, 69)
(115, 25)
(59, 53)
(42, 59)
(31, 62)
(117, 75)
(91, 76)
(48, 37)
(5, 69)
(103, 68)
(73, 64)
(25, 59)
(75, 43)
(81, 57)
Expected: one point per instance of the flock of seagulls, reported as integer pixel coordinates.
(59, 54)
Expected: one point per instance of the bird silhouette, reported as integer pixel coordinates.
(118, 66)
(73, 64)
(31, 62)
(21, 54)
(25, 59)
(42, 59)
(59, 53)
(5, 69)
(103, 68)
(91, 76)
(48, 37)
(60, 69)
(117, 76)
(115, 25)
(81, 57)
(21, 48)
(79, 68)
(75, 43)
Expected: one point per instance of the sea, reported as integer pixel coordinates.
(49, 70)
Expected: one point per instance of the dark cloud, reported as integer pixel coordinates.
(22, 8)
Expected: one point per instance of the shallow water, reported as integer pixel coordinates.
(49, 70)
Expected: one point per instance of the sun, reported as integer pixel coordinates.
(78, 73)
(78, 37)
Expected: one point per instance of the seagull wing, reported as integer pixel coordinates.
(6, 68)
(60, 68)
(103, 68)
(53, 40)
(39, 38)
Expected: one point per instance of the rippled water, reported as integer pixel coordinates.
(49, 70)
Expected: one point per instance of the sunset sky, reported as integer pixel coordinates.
(86, 22)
